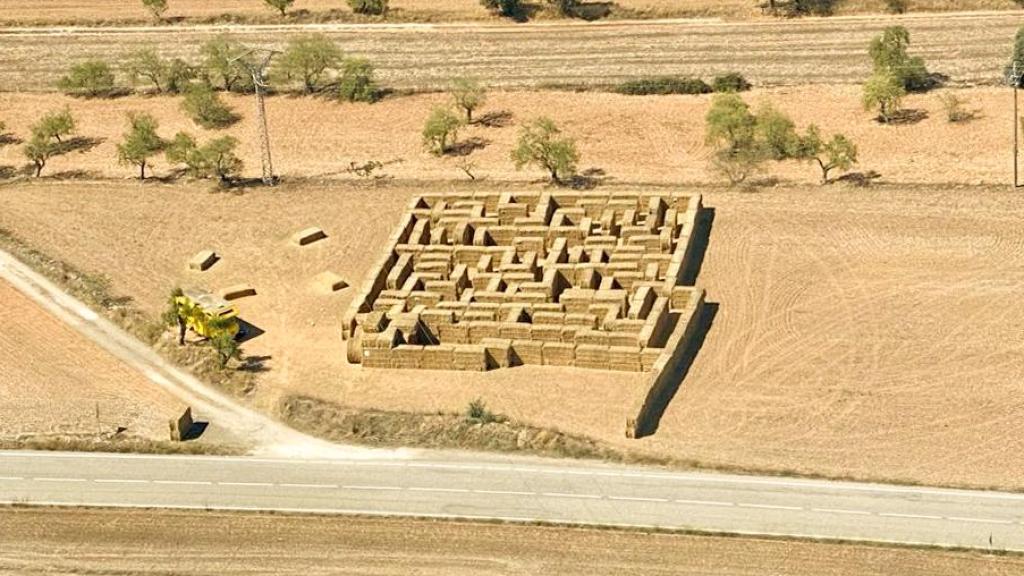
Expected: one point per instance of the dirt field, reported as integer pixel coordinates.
(52, 380)
(866, 333)
(20, 12)
(160, 542)
(970, 48)
(632, 139)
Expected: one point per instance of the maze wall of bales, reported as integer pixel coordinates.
(483, 281)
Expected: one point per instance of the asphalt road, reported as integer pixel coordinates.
(521, 490)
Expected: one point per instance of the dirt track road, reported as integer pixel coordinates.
(969, 47)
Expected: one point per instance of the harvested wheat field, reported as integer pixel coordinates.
(46, 541)
(654, 139)
(49, 12)
(53, 380)
(969, 48)
(869, 333)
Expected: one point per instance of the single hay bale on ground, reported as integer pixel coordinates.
(308, 236)
(203, 260)
(237, 291)
(329, 282)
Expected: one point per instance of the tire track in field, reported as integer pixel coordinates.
(971, 48)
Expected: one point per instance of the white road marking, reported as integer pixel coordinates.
(914, 516)
(978, 520)
(453, 490)
(249, 484)
(60, 479)
(841, 511)
(184, 482)
(637, 499)
(372, 487)
(705, 502)
(564, 495)
(505, 492)
(769, 507)
(117, 481)
(289, 485)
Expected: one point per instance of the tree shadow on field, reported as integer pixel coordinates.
(906, 117)
(467, 146)
(71, 174)
(498, 119)
(9, 139)
(80, 144)
(589, 179)
(255, 364)
(858, 179)
(591, 11)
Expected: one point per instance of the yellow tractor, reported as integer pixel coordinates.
(206, 314)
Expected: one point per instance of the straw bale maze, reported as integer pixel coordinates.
(483, 281)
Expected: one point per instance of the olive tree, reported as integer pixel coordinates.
(507, 8)
(223, 60)
(56, 125)
(216, 158)
(307, 59)
(146, 65)
(371, 7)
(468, 95)
(884, 92)
(177, 313)
(441, 130)
(90, 79)
(889, 55)
(541, 143)
(38, 150)
(281, 6)
(141, 142)
(156, 7)
(355, 83)
(206, 109)
(1017, 59)
(838, 153)
(732, 130)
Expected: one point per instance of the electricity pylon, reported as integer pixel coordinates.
(259, 81)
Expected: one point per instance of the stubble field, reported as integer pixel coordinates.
(970, 48)
(862, 333)
(36, 541)
(53, 380)
(631, 139)
(22, 12)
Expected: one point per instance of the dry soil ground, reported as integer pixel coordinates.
(656, 139)
(21, 12)
(53, 381)
(871, 333)
(970, 48)
(161, 542)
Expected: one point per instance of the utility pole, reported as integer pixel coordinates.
(1015, 77)
(259, 81)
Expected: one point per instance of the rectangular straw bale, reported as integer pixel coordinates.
(592, 337)
(515, 330)
(559, 354)
(592, 356)
(499, 352)
(480, 330)
(529, 352)
(407, 356)
(546, 333)
(470, 358)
